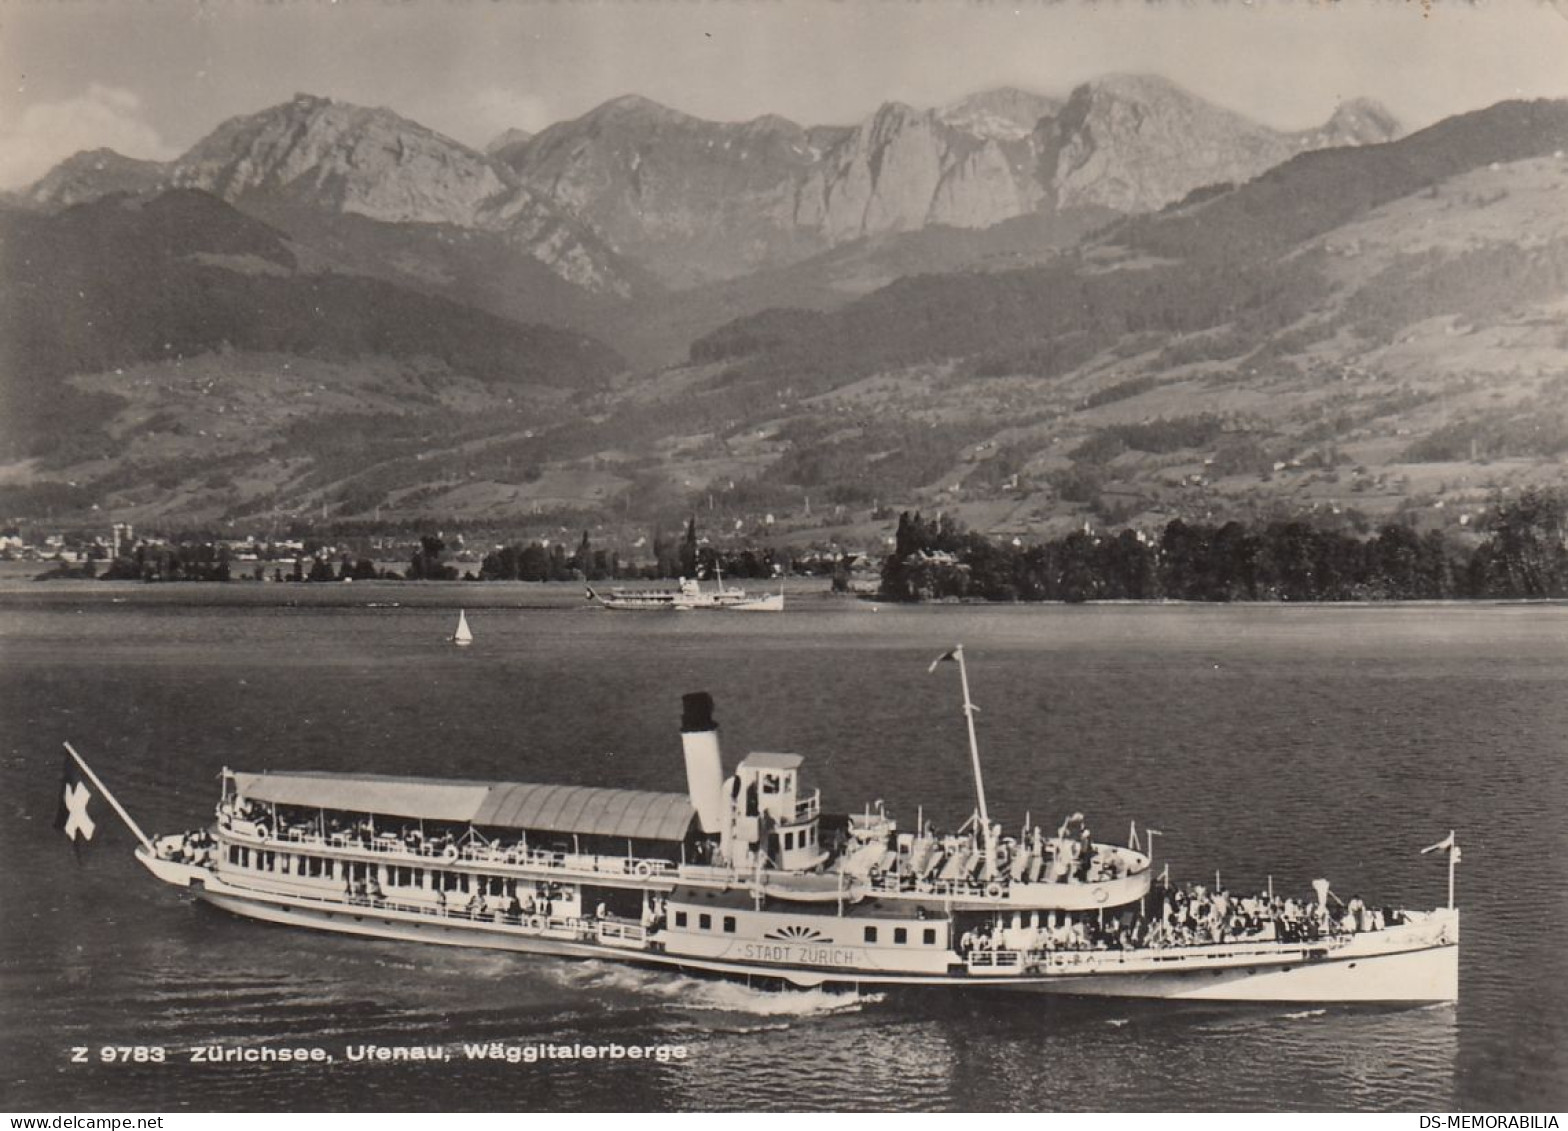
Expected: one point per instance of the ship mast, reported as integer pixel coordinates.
(989, 833)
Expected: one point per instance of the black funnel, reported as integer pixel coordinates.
(697, 713)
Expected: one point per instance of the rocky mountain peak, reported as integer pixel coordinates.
(1138, 142)
(890, 117)
(344, 157)
(507, 141)
(1005, 114)
(94, 173)
(1135, 87)
(768, 124)
(1136, 102)
(337, 158)
(635, 110)
(693, 199)
(1362, 121)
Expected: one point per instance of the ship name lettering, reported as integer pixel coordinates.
(763, 952)
(828, 955)
(805, 955)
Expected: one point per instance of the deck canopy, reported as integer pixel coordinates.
(637, 814)
(772, 761)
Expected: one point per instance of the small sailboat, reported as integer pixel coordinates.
(462, 637)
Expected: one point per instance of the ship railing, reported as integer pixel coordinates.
(570, 862)
(996, 962)
(951, 889)
(425, 853)
(609, 931)
(622, 934)
(705, 872)
(807, 809)
(1063, 958)
(1117, 890)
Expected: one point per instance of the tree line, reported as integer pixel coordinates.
(1522, 555)
(683, 557)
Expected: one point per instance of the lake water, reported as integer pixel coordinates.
(1292, 742)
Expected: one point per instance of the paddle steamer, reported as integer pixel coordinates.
(743, 875)
(690, 596)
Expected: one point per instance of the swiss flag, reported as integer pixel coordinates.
(74, 796)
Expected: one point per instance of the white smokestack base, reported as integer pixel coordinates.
(704, 767)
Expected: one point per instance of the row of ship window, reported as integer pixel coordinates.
(400, 875)
(392, 875)
(807, 835)
(900, 934)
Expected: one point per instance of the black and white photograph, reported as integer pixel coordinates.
(784, 556)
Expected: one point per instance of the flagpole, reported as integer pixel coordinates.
(1448, 843)
(130, 823)
(1453, 855)
(974, 754)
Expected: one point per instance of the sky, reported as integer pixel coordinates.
(151, 77)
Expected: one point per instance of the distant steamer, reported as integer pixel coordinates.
(690, 596)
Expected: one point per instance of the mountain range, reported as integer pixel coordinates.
(1123, 304)
(694, 201)
(698, 200)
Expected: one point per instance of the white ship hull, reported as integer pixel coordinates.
(767, 603)
(1430, 974)
(690, 598)
(1418, 963)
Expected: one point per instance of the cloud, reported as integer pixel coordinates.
(48, 132)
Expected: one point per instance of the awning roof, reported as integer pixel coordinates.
(772, 761)
(580, 809)
(508, 805)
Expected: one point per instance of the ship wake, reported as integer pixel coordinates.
(680, 992)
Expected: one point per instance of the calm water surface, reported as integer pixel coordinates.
(1262, 741)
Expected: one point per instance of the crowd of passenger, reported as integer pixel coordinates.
(1187, 916)
(512, 904)
(340, 829)
(192, 848)
(433, 842)
(1070, 856)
